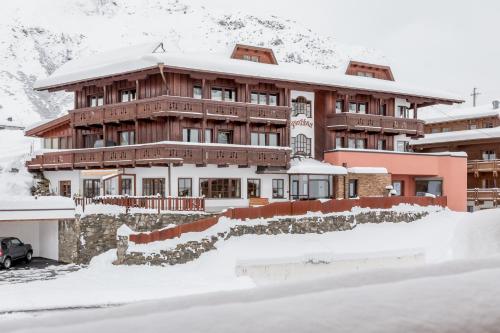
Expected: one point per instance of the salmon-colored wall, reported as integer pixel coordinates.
(406, 166)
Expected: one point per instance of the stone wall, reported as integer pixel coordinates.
(85, 237)
(192, 250)
(370, 185)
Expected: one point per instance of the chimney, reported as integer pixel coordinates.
(496, 104)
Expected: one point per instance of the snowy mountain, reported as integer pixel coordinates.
(38, 36)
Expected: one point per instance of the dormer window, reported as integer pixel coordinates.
(128, 95)
(253, 58)
(254, 53)
(365, 74)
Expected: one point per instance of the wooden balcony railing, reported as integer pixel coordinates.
(160, 154)
(477, 166)
(173, 106)
(158, 203)
(375, 123)
(487, 194)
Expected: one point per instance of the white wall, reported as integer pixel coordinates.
(56, 176)
(42, 235)
(295, 126)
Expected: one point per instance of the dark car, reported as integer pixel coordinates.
(12, 249)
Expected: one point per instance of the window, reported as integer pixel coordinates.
(128, 95)
(353, 188)
(51, 143)
(446, 129)
(184, 187)
(89, 140)
(217, 94)
(65, 188)
(208, 135)
(153, 186)
(246, 57)
(360, 143)
(278, 188)
(488, 125)
(489, 155)
(353, 107)
(311, 186)
(190, 135)
(432, 186)
(398, 187)
(339, 142)
(351, 143)
(273, 139)
(301, 105)
(383, 110)
(472, 126)
(127, 138)
(255, 58)
(365, 74)
(381, 145)
(253, 188)
(264, 98)
(95, 100)
(362, 107)
(435, 130)
(273, 99)
(15, 242)
(301, 145)
(224, 94)
(403, 111)
(257, 139)
(126, 186)
(217, 188)
(197, 92)
(339, 106)
(91, 188)
(402, 146)
(225, 137)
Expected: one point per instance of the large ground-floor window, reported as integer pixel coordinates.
(153, 186)
(311, 186)
(429, 186)
(218, 188)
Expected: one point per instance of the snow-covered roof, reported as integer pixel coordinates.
(41, 208)
(371, 170)
(455, 114)
(314, 167)
(466, 135)
(148, 56)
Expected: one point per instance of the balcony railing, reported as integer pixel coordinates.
(375, 123)
(173, 106)
(160, 154)
(488, 194)
(476, 166)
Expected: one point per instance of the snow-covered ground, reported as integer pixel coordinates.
(442, 236)
(455, 291)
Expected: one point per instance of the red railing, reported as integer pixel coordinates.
(285, 209)
(148, 202)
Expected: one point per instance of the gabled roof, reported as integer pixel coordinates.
(47, 125)
(133, 60)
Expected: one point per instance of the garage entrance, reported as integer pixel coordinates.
(43, 235)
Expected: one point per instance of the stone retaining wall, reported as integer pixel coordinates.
(192, 250)
(85, 237)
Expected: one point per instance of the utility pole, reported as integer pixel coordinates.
(474, 95)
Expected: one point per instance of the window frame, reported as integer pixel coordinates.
(130, 134)
(230, 134)
(355, 190)
(96, 190)
(257, 182)
(65, 188)
(223, 91)
(230, 189)
(152, 187)
(96, 98)
(278, 191)
(195, 87)
(304, 142)
(184, 187)
(301, 105)
(131, 95)
(186, 134)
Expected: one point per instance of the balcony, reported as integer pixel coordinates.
(477, 166)
(160, 154)
(375, 124)
(488, 194)
(173, 106)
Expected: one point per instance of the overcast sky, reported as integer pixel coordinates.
(443, 44)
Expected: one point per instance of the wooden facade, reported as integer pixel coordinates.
(158, 106)
(462, 124)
